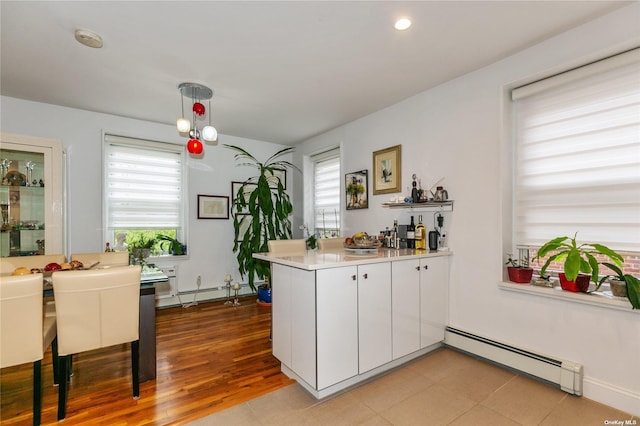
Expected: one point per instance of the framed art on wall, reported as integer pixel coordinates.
(213, 207)
(356, 190)
(387, 170)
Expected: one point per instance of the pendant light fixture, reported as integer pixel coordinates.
(196, 92)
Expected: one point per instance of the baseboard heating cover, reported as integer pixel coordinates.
(566, 374)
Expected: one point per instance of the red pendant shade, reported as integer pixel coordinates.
(198, 109)
(194, 146)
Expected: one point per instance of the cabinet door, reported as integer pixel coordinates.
(294, 320)
(337, 324)
(33, 213)
(434, 287)
(405, 296)
(374, 315)
(303, 324)
(281, 308)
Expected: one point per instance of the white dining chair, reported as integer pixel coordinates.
(287, 247)
(113, 258)
(25, 333)
(11, 263)
(96, 309)
(326, 244)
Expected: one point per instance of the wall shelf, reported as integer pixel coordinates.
(427, 206)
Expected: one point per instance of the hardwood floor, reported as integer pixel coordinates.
(209, 357)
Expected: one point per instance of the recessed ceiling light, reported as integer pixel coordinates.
(89, 38)
(402, 24)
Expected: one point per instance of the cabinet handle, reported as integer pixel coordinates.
(426, 267)
(365, 276)
(353, 277)
(417, 268)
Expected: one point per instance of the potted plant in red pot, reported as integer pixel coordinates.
(519, 272)
(577, 258)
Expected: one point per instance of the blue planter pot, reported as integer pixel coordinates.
(264, 294)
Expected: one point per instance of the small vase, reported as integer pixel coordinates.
(581, 283)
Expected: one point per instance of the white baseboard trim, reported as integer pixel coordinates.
(613, 396)
(206, 295)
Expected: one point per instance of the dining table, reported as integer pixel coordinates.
(149, 277)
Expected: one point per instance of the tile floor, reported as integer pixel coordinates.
(444, 387)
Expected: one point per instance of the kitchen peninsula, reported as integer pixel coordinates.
(340, 318)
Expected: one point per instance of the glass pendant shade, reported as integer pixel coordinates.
(194, 146)
(209, 134)
(183, 125)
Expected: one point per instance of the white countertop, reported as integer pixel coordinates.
(315, 259)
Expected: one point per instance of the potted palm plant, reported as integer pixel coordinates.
(261, 212)
(623, 285)
(577, 258)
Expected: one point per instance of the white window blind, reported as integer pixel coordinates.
(143, 184)
(327, 192)
(577, 156)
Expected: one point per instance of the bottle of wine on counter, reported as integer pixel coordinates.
(421, 235)
(411, 235)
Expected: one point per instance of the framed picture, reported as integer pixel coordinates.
(387, 170)
(278, 175)
(356, 190)
(213, 207)
(248, 189)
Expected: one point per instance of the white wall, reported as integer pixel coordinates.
(210, 242)
(460, 130)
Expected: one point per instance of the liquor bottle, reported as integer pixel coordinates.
(395, 240)
(414, 190)
(411, 235)
(421, 235)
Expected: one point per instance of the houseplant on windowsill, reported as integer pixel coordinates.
(262, 210)
(623, 285)
(310, 239)
(140, 248)
(519, 272)
(174, 246)
(577, 258)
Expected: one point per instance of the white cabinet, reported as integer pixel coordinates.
(405, 306)
(31, 196)
(434, 288)
(337, 325)
(334, 327)
(374, 316)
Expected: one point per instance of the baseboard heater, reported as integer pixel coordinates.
(565, 374)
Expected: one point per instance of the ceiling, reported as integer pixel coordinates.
(281, 71)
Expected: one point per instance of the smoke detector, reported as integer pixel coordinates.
(89, 38)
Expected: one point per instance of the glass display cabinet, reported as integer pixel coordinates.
(30, 196)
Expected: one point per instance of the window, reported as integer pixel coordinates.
(577, 156)
(326, 193)
(143, 187)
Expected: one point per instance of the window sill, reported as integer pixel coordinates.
(599, 298)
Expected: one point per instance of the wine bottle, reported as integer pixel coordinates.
(421, 235)
(411, 235)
